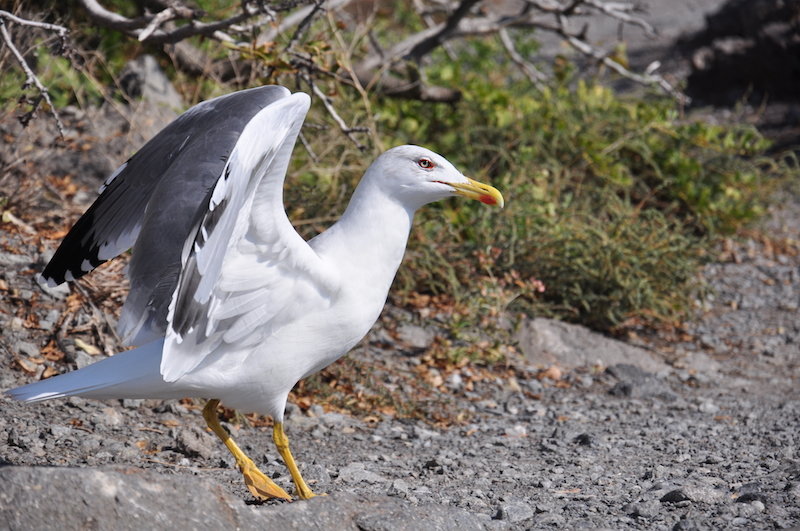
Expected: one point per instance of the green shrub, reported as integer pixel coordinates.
(611, 202)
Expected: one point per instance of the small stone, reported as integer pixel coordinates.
(708, 407)
(415, 336)
(59, 292)
(749, 497)
(642, 510)
(674, 496)
(424, 434)
(514, 512)
(291, 410)
(686, 525)
(356, 473)
(584, 439)
(109, 416)
(194, 442)
(621, 389)
(517, 430)
(82, 359)
(59, 432)
(26, 348)
(399, 488)
(454, 382)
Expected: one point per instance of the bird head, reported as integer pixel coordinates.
(418, 176)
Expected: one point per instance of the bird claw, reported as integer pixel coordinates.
(261, 486)
(306, 494)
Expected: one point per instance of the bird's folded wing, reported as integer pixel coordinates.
(245, 269)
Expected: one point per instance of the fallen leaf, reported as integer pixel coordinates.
(26, 365)
(552, 373)
(52, 352)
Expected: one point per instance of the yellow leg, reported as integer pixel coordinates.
(260, 485)
(282, 443)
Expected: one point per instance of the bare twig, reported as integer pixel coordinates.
(30, 76)
(442, 33)
(305, 23)
(536, 76)
(427, 17)
(326, 101)
(148, 24)
(296, 18)
(309, 149)
(620, 11)
(643, 79)
(535, 14)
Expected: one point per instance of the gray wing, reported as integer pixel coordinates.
(246, 272)
(153, 202)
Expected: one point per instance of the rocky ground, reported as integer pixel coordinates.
(688, 429)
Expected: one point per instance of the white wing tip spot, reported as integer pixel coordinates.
(45, 281)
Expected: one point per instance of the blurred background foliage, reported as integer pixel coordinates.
(613, 201)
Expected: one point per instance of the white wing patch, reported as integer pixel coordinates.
(246, 271)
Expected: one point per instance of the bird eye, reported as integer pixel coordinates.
(426, 164)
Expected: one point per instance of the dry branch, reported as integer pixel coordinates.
(30, 76)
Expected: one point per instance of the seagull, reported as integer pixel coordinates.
(227, 301)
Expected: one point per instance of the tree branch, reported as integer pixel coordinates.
(536, 76)
(145, 28)
(644, 79)
(428, 44)
(30, 76)
(326, 101)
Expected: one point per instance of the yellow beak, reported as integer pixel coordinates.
(482, 192)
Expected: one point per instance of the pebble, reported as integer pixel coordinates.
(415, 336)
(194, 442)
(514, 512)
(357, 473)
(26, 348)
(399, 488)
(517, 430)
(674, 496)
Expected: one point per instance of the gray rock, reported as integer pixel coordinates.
(399, 488)
(636, 383)
(546, 342)
(36, 498)
(26, 348)
(57, 292)
(194, 442)
(515, 512)
(674, 496)
(415, 336)
(355, 473)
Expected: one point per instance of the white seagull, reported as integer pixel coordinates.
(227, 300)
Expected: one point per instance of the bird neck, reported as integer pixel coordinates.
(369, 240)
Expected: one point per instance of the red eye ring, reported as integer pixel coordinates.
(426, 163)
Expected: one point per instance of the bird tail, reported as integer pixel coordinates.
(130, 374)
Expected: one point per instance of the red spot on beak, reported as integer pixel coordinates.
(487, 200)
